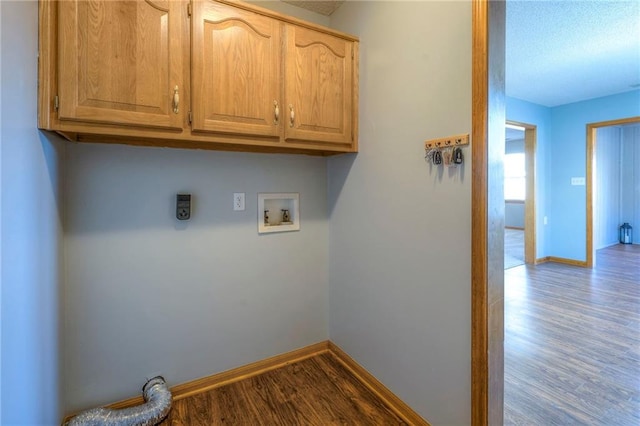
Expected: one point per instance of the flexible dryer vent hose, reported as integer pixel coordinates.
(157, 404)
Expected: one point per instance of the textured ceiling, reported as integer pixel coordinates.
(322, 7)
(558, 52)
(562, 51)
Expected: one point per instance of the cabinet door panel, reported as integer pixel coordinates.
(318, 86)
(236, 71)
(121, 61)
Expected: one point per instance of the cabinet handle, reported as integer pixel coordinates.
(292, 117)
(276, 112)
(176, 100)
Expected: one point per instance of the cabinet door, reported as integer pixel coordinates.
(318, 86)
(235, 71)
(120, 62)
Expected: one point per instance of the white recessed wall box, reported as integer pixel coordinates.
(278, 212)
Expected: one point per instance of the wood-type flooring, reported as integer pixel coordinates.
(513, 247)
(572, 357)
(315, 391)
(572, 342)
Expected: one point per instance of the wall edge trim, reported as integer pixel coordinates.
(565, 261)
(374, 385)
(204, 384)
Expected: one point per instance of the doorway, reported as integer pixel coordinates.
(592, 132)
(487, 217)
(520, 190)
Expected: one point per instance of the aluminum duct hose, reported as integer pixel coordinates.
(157, 404)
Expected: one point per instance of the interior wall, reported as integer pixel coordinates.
(0, 215)
(147, 294)
(567, 159)
(607, 187)
(400, 263)
(514, 215)
(291, 10)
(630, 179)
(526, 112)
(514, 211)
(31, 225)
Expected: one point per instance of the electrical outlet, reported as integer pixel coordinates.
(238, 201)
(183, 206)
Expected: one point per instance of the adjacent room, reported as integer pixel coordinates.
(515, 192)
(572, 333)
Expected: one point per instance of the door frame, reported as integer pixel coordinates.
(487, 212)
(530, 232)
(592, 129)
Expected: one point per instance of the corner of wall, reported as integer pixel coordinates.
(30, 223)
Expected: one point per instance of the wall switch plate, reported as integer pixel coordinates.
(183, 206)
(238, 201)
(579, 181)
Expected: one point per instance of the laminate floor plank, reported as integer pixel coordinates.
(368, 407)
(572, 342)
(315, 391)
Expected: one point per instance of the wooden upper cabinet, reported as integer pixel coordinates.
(236, 75)
(121, 62)
(206, 74)
(319, 87)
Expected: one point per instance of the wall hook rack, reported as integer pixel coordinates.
(456, 140)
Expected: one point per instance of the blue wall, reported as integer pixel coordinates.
(561, 155)
(540, 116)
(567, 158)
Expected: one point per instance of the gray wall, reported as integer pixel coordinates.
(31, 232)
(630, 179)
(145, 294)
(607, 188)
(291, 10)
(514, 215)
(400, 228)
(0, 214)
(148, 294)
